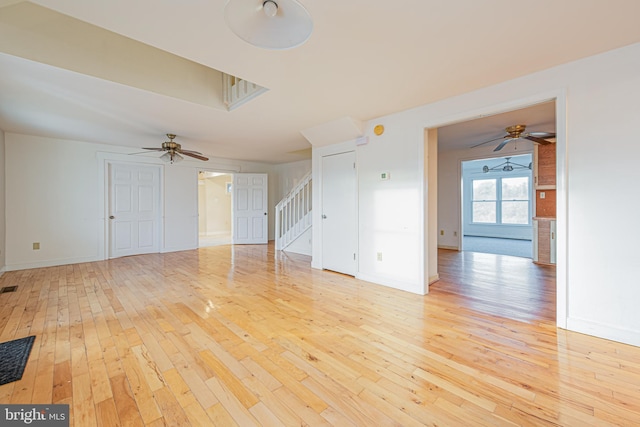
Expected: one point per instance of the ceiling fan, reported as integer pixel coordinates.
(516, 132)
(174, 152)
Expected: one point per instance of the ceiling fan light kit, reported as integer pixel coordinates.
(269, 24)
(171, 157)
(507, 166)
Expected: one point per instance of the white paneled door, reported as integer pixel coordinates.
(339, 210)
(134, 210)
(250, 211)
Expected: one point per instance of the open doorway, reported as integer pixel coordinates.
(505, 285)
(214, 208)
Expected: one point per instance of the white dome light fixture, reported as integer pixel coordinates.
(269, 24)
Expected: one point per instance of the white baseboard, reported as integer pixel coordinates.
(300, 251)
(51, 263)
(434, 279)
(395, 284)
(600, 330)
(178, 249)
(58, 262)
(215, 233)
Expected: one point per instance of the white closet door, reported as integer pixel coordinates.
(339, 213)
(134, 210)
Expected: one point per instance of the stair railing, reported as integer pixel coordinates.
(293, 213)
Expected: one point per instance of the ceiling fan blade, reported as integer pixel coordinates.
(502, 144)
(486, 142)
(154, 148)
(545, 135)
(536, 139)
(195, 156)
(190, 151)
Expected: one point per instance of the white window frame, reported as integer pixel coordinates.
(498, 201)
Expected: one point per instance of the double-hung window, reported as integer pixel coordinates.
(501, 200)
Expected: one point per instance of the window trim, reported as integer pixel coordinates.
(499, 200)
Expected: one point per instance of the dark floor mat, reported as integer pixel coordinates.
(13, 358)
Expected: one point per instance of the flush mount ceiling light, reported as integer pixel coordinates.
(269, 24)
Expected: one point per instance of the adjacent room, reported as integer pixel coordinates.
(488, 179)
(496, 205)
(498, 171)
(214, 208)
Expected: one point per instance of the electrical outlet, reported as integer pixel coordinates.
(379, 256)
(36, 246)
(542, 195)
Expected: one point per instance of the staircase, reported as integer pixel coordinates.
(293, 214)
(237, 91)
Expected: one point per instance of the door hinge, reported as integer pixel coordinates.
(354, 256)
(354, 165)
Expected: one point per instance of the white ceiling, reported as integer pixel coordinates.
(365, 59)
(465, 135)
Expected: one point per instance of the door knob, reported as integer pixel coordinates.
(112, 217)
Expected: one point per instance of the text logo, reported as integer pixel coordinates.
(34, 415)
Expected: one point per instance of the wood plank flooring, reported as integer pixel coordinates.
(240, 335)
(504, 286)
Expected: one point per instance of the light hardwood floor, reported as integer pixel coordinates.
(242, 336)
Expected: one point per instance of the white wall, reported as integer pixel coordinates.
(2, 203)
(449, 201)
(597, 108)
(55, 195)
(288, 175)
(431, 224)
(390, 212)
(52, 199)
(180, 227)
